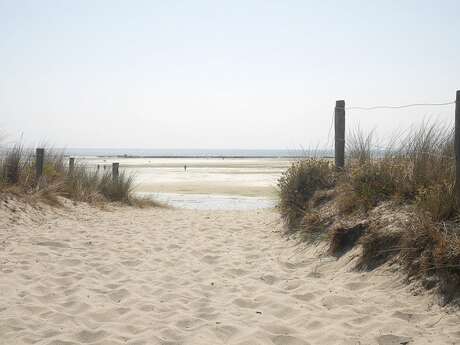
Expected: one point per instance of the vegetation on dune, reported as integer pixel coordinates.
(299, 183)
(17, 175)
(415, 172)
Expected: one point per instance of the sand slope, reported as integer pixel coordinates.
(164, 276)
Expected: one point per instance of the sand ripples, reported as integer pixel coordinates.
(185, 277)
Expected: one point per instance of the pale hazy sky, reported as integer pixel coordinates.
(220, 74)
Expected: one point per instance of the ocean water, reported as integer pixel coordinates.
(195, 181)
(243, 153)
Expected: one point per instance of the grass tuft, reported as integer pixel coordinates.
(17, 173)
(298, 185)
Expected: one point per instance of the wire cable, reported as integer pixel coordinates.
(398, 106)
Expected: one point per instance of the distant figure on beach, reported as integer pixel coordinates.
(185, 167)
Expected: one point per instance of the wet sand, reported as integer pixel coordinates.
(248, 177)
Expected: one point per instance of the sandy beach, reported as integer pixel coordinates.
(80, 275)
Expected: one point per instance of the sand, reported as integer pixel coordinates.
(209, 188)
(166, 276)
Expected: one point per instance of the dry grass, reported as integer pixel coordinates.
(429, 249)
(415, 171)
(379, 245)
(418, 168)
(343, 238)
(17, 174)
(298, 185)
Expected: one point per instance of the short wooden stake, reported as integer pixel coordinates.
(71, 165)
(457, 147)
(339, 134)
(115, 172)
(39, 163)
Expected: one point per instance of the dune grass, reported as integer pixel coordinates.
(415, 170)
(299, 183)
(418, 168)
(17, 174)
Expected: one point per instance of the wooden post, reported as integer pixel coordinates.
(457, 147)
(115, 172)
(39, 163)
(339, 134)
(71, 165)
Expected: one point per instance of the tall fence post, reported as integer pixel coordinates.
(457, 147)
(39, 163)
(339, 134)
(71, 165)
(115, 172)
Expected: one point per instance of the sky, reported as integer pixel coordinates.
(221, 74)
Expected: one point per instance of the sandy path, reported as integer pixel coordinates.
(167, 276)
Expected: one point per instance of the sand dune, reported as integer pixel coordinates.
(165, 276)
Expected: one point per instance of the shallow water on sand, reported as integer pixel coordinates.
(203, 183)
(213, 201)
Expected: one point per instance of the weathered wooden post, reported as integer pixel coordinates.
(457, 147)
(339, 134)
(71, 165)
(115, 172)
(39, 163)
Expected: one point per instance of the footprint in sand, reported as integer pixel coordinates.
(210, 259)
(406, 316)
(238, 272)
(52, 244)
(131, 263)
(356, 286)
(225, 332)
(277, 329)
(306, 297)
(86, 336)
(390, 339)
(314, 325)
(189, 324)
(246, 303)
(62, 342)
(288, 340)
(71, 262)
(269, 279)
(331, 302)
(108, 315)
(118, 295)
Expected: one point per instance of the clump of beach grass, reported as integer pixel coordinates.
(418, 168)
(415, 171)
(298, 185)
(86, 184)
